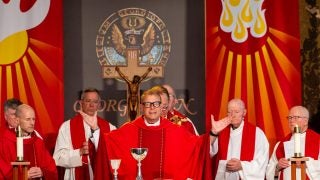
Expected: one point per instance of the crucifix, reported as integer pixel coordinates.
(133, 74)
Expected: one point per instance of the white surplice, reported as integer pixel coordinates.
(251, 170)
(313, 166)
(69, 158)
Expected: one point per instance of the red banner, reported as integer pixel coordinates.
(253, 53)
(31, 59)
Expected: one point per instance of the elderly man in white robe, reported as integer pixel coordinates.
(279, 164)
(240, 149)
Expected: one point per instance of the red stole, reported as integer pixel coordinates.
(30, 151)
(247, 145)
(78, 137)
(312, 144)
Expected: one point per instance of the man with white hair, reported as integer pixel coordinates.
(240, 149)
(279, 165)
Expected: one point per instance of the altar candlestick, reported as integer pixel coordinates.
(19, 144)
(297, 141)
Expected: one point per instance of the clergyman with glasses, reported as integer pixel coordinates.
(173, 152)
(279, 165)
(78, 138)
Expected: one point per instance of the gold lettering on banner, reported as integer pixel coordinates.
(114, 106)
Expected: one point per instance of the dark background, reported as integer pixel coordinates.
(184, 70)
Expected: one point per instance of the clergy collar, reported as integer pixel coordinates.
(27, 136)
(157, 123)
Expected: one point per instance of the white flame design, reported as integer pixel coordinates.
(12, 20)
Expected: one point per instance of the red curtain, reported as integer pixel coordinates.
(31, 59)
(253, 53)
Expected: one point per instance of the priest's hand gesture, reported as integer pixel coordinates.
(218, 126)
(92, 121)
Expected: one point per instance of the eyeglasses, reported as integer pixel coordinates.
(153, 104)
(295, 117)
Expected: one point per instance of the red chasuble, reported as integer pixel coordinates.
(173, 152)
(78, 137)
(247, 145)
(35, 152)
(312, 145)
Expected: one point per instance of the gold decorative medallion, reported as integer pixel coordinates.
(133, 39)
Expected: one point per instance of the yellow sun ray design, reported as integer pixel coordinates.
(238, 83)
(251, 101)
(9, 82)
(225, 92)
(21, 85)
(21, 81)
(280, 100)
(262, 89)
(264, 95)
(44, 70)
(38, 99)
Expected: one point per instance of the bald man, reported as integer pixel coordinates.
(42, 164)
(279, 166)
(240, 149)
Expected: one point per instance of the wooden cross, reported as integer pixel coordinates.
(132, 69)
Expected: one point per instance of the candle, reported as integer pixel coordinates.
(297, 141)
(19, 148)
(19, 145)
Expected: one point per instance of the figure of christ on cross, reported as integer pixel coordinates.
(133, 91)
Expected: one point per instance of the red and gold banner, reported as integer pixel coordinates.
(31, 59)
(253, 53)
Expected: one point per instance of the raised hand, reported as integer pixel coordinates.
(218, 126)
(90, 120)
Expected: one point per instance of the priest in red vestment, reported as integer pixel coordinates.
(42, 164)
(279, 166)
(173, 152)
